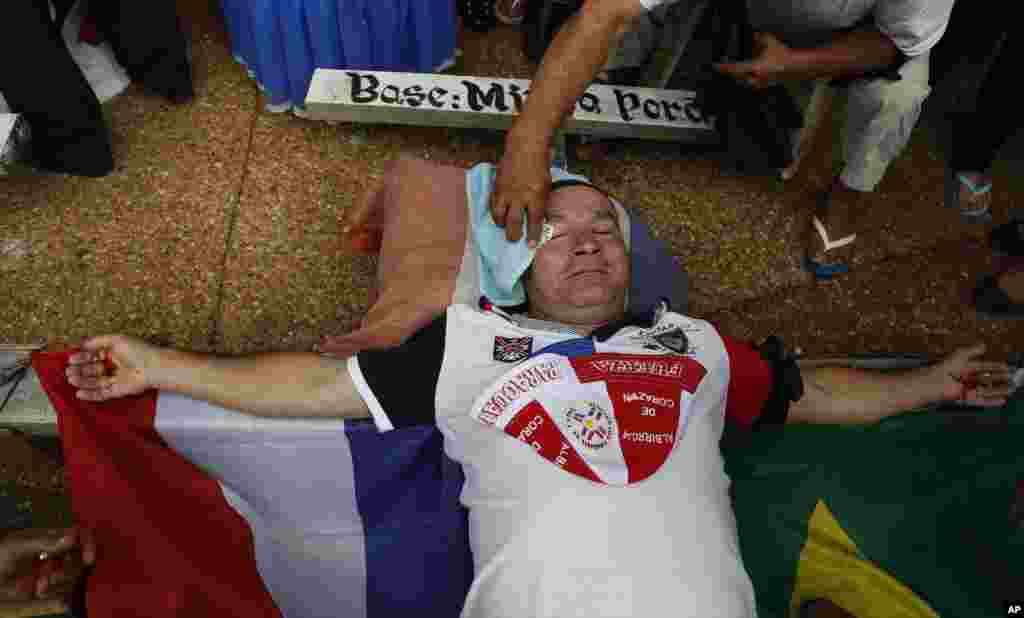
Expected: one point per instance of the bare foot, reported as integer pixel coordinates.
(974, 202)
(838, 215)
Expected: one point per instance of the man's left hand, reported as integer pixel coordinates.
(964, 379)
(773, 63)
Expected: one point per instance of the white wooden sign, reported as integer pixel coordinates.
(464, 101)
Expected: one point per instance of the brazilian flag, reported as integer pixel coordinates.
(910, 517)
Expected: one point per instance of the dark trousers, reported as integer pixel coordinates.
(40, 79)
(974, 32)
(148, 42)
(978, 135)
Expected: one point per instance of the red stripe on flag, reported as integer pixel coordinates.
(168, 542)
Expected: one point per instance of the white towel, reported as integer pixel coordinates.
(502, 263)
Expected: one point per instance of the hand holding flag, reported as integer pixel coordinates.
(113, 366)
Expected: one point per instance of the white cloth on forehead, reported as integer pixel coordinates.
(502, 263)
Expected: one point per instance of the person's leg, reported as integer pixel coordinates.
(41, 81)
(880, 117)
(972, 30)
(147, 40)
(978, 134)
(814, 98)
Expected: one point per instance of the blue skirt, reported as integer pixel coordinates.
(281, 42)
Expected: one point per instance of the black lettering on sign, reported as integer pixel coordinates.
(693, 112)
(651, 109)
(627, 102)
(390, 94)
(433, 95)
(667, 107)
(478, 99)
(518, 96)
(414, 95)
(590, 103)
(361, 93)
(675, 105)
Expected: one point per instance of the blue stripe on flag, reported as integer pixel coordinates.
(418, 560)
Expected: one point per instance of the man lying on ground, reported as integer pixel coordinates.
(589, 438)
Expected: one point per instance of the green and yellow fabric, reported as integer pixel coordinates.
(907, 518)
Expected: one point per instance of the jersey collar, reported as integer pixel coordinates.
(601, 334)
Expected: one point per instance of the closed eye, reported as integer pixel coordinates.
(558, 231)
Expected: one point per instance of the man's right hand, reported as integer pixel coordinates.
(268, 384)
(113, 366)
(522, 184)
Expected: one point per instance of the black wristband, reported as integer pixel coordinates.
(787, 384)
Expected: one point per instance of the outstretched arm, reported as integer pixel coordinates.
(852, 396)
(280, 384)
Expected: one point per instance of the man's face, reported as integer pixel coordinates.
(581, 275)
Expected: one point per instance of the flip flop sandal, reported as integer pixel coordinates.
(825, 271)
(1008, 238)
(992, 302)
(510, 12)
(954, 181)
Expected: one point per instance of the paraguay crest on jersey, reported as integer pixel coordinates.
(603, 412)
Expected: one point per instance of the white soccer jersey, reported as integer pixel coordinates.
(594, 481)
